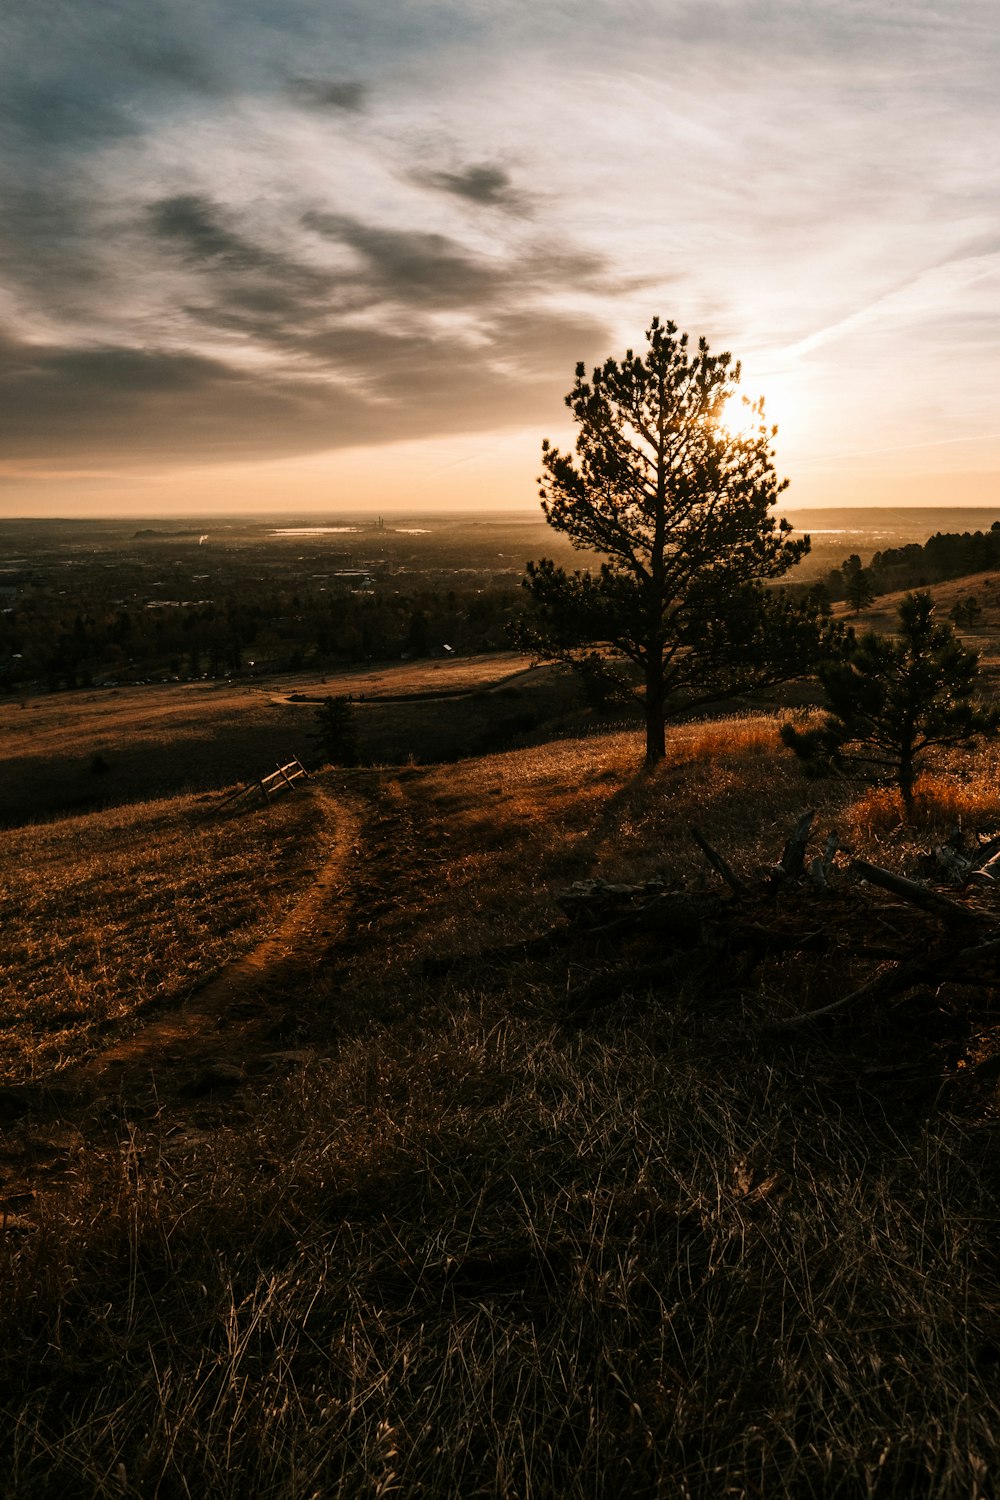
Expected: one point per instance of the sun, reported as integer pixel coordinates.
(785, 407)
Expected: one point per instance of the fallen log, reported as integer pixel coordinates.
(914, 893)
(945, 967)
(671, 936)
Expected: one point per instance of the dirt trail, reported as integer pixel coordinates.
(222, 1020)
(238, 1025)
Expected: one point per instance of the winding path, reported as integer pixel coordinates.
(223, 1033)
(239, 994)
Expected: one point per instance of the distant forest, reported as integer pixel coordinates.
(49, 641)
(945, 555)
(80, 637)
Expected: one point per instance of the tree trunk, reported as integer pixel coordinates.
(656, 732)
(905, 780)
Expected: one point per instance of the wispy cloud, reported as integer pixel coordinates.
(243, 237)
(348, 94)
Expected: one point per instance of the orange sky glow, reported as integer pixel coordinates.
(345, 258)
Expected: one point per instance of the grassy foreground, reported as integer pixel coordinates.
(484, 1246)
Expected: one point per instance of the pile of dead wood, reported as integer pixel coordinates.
(905, 932)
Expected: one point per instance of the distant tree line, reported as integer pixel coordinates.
(50, 641)
(944, 555)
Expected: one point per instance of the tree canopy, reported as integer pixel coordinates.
(859, 586)
(892, 701)
(673, 485)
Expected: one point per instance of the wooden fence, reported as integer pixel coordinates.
(281, 780)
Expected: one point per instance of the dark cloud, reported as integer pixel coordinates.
(448, 378)
(122, 371)
(116, 405)
(49, 246)
(69, 113)
(197, 227)
(484, 183)
(170, 61)
(259, 287)
(104, 66)
(192, 222)
(246, 288)
(309, 312)
(427, 270)
(411, 265)
(325, 93)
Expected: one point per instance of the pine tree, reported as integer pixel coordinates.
(335, 734)
(966, 611)
(680, 508)
(859, 586)
(896, 700)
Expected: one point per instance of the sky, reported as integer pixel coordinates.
(310, 255)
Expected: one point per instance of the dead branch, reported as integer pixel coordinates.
(670, 935)
(794, 853)
(946, 968)
(889, 982)
(914, 893)
(821, 868)
(717, 862)
(986, 854)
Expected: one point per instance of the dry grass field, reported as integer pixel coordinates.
(154, 741)
(984, 636)
(164, 739)
(106, 915)
(469, 1238)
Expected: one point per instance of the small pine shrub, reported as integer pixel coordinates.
(335, 734)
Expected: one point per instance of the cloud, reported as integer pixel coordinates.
(118, 404)
(172, 61)
(409, 265)
(347, 94)
(197, 227)
(50, 114)
(253, 287)
(306, 298)
(217, 233)
(424, 269)
(193, 222)
(112, 405)
(484, 183)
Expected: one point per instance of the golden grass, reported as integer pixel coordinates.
(458, 673)
(154, 741)
(501, 1258)
(484, 1249)
(509, 830)
(106, 913)
(177, 737)
(984, 636)
(743, 737)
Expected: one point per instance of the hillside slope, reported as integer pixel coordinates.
(471, 1238)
